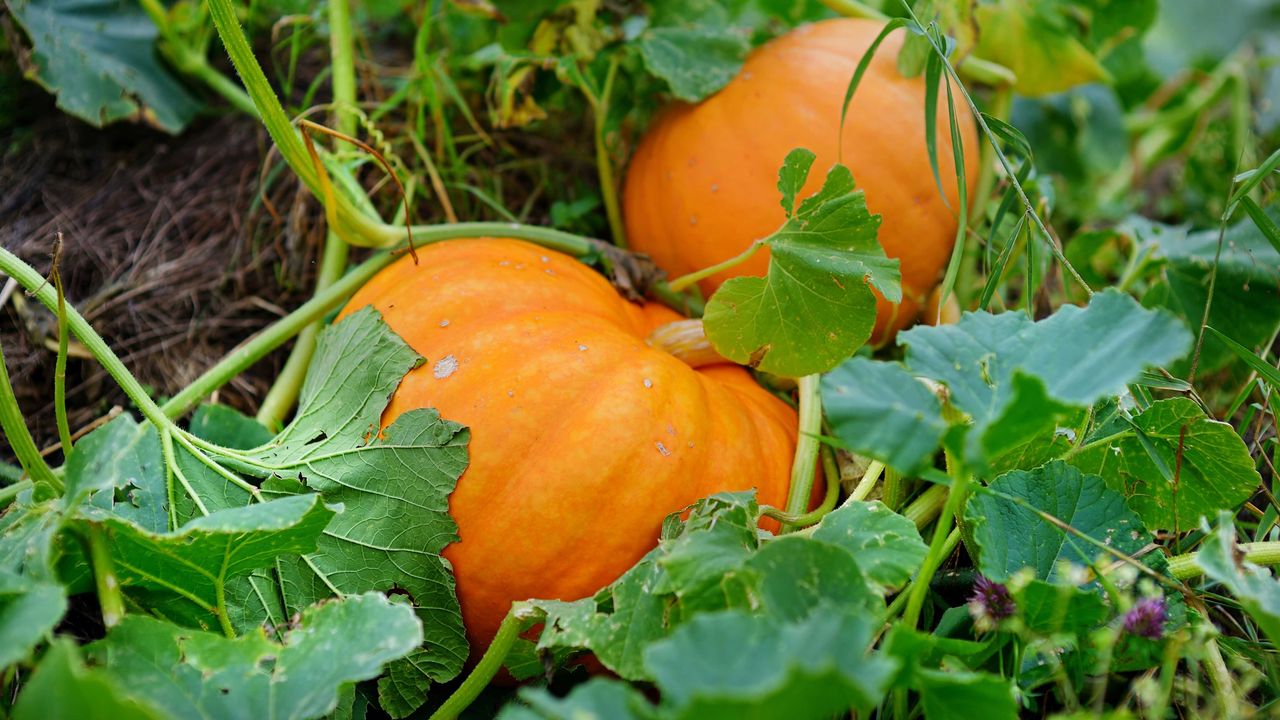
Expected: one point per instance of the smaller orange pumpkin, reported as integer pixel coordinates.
(583, 436)
(702, 184)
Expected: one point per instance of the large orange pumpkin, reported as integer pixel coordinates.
(583, 437)
(703, 182)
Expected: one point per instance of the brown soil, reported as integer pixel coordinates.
(164, 254)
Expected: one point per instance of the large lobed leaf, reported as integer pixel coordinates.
(196, 562)
(189, 673)
(717, 560)
(815, 306)
(181, 534)
(99, 58)
(1013, 378)
(1012, 535)
(1175, 464)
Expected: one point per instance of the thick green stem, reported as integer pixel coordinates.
(284, 391)
(807, 444)
(927, 506)
(483, 672)
(868, 481)
(685, 281)
(15, 428)
(813, 516)
(937, 548)
(109, 597)
(342, 59)
(1185, 567)
(260, 91)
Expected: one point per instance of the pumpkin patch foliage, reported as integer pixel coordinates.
(649, 360)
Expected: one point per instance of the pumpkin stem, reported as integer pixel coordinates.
(686, 340)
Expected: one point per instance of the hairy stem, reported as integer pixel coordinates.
(483, 672)
(1187, 566)
(802, 467)
(926, 506)
(260, 91)
(220, 608)
(284, 391)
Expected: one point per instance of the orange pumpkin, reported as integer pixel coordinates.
(583, 436)
(703, 182)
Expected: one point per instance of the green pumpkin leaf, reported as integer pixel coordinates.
(880, 409)
(120, 468)
(189, 673)
(699, 564)
(1016, 378)
(694, 61)
(1059, 607)
(1246, 302)
(887, 546)
(1012, 535)
(99, 58)
(62, 687)
(733, 665)
(596, 699)
(228, 427)
(1174, 464)
(1013, 378)
(825, 260)
(966, 695)
(196, 561)
(29, 611)
(799, 575)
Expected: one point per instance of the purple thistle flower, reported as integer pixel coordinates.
(1147, 618)
(990, 604)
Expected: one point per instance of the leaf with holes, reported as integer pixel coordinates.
(189, 673)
